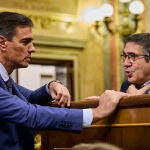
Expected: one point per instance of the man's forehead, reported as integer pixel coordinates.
(25, 32)
(133, 47)
(23, 29)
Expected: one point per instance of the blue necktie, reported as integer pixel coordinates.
(9, 86)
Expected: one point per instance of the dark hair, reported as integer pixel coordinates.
(9, 21)
(142, 39)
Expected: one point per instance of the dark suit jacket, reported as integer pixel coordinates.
(19, 114)
(125, 86)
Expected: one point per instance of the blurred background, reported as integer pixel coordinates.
(79, 41)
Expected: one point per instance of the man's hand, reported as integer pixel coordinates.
(60, 93)
(132, 90)
(108, 102)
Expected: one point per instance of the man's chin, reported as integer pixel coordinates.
(131, 80)
(25, 65)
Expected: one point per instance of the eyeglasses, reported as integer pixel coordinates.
(132, 56)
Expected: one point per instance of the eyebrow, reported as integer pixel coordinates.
(130, 53)
(27, 39)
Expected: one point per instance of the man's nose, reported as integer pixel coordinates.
(127, 62)
(31, 48)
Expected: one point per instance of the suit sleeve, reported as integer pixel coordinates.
(125, 86)
(39, 96)
(15, 110)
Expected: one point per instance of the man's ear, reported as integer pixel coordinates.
(2, 42)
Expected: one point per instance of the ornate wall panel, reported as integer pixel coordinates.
(57, 24)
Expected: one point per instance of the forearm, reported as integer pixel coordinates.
(40, 96)
(15, 110)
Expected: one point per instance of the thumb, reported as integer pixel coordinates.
(145, 88)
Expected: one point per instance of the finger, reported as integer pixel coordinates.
(55, 89)
(69, 101)
(132, 86)
(68, 97)
(114, 95)
(132, 90)
(63, 101)
(145, 88)
(64, 97)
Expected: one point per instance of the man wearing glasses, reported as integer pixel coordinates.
(136, 63)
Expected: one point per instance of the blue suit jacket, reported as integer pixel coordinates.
(22, 112)
(125, 86)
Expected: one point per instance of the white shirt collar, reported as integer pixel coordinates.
(3, 73)
(146, 83)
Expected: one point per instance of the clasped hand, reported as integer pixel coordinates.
(132, 90)
(60, 94)
(108, 102)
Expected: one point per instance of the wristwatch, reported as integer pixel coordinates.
(54, 81)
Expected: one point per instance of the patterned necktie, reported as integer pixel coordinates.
(9, 85)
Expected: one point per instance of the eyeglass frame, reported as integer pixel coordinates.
(132, 56)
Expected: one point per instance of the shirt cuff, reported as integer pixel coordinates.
(47, 89)
(87, 117)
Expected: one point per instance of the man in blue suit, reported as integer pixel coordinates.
(21, 109)
(136, 63)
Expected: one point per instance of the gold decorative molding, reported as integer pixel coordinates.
(43, 12)
(37, 142)
(60, 42)
(58, 6)
(120, 125)
(43, 19)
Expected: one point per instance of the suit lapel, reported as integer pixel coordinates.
(2, 84)
(15, 88)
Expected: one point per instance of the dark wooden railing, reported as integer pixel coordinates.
(128, 127)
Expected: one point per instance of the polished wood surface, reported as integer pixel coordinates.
(128, 127)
